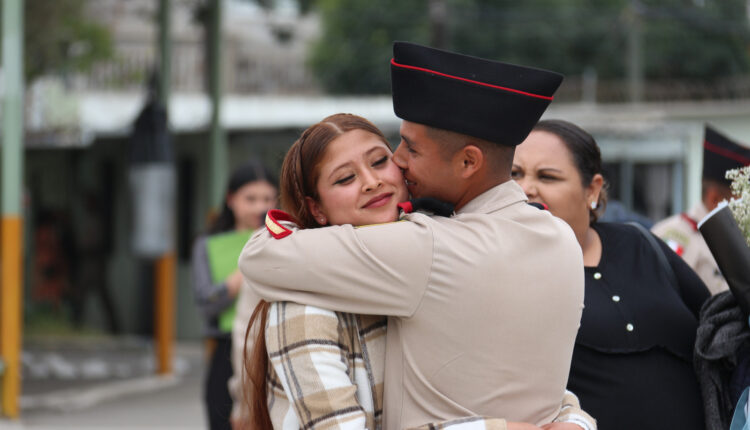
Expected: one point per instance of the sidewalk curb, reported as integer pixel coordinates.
(8, 424)
(77, 399)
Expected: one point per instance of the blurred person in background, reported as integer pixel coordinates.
(680, 231)
(312, 367)
(632, 362)
(617, 212)
(92, 264)
(250, 193)
(51, 269)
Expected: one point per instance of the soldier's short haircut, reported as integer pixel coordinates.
(498, 156)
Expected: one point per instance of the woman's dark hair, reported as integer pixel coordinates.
(299, 178)
(585, 153)
(251, 171)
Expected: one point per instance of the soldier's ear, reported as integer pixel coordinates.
(314, 207)
(468, 161)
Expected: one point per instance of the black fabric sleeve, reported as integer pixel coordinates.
(691, 288)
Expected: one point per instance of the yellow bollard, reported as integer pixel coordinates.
(164, 312)
(10, 312)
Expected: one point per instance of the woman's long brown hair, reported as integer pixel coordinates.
(299, 177)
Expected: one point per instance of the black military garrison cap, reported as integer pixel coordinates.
(494, 101)
(721, 154)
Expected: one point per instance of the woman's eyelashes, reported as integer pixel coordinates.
(547, 177)
(518, 174)
(380, 161)
(345, 180)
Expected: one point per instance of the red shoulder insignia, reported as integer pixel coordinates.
(273, 224)
(406, 206)
(676, 247)
(693, 223)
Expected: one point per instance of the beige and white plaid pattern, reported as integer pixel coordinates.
(326, 372)
(322, 374)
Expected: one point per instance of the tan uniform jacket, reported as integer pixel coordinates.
(484, 306)
(681, 234)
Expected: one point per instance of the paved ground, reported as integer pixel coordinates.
(109, 385)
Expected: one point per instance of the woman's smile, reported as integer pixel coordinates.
(378, 201)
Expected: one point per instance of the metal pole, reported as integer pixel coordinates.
(438, 13)
(218, 143)
(12, 222)
(678, 186)
(164, 269)
(165, 51)
(635, 54)
(626, 183)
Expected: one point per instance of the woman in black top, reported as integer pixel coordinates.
(632, 362)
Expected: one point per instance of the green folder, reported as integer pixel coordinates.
(223, 252)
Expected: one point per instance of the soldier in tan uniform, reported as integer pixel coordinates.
(483, 306)
(680, 231)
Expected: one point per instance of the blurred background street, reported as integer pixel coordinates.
(106, 383)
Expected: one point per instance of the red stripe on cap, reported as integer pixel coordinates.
(421, 69)
(406, 206)
(273, 225)
(726, 153)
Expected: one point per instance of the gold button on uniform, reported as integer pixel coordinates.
(629, 327)
(597, 276)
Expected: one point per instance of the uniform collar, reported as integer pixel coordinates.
(495, 198)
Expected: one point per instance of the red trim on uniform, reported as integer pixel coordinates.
(693, 223)
(421, 69)
(406, 206)
(274, 216)
(726, 153)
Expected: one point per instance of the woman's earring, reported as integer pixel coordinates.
(322, 220)
(593, 205)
